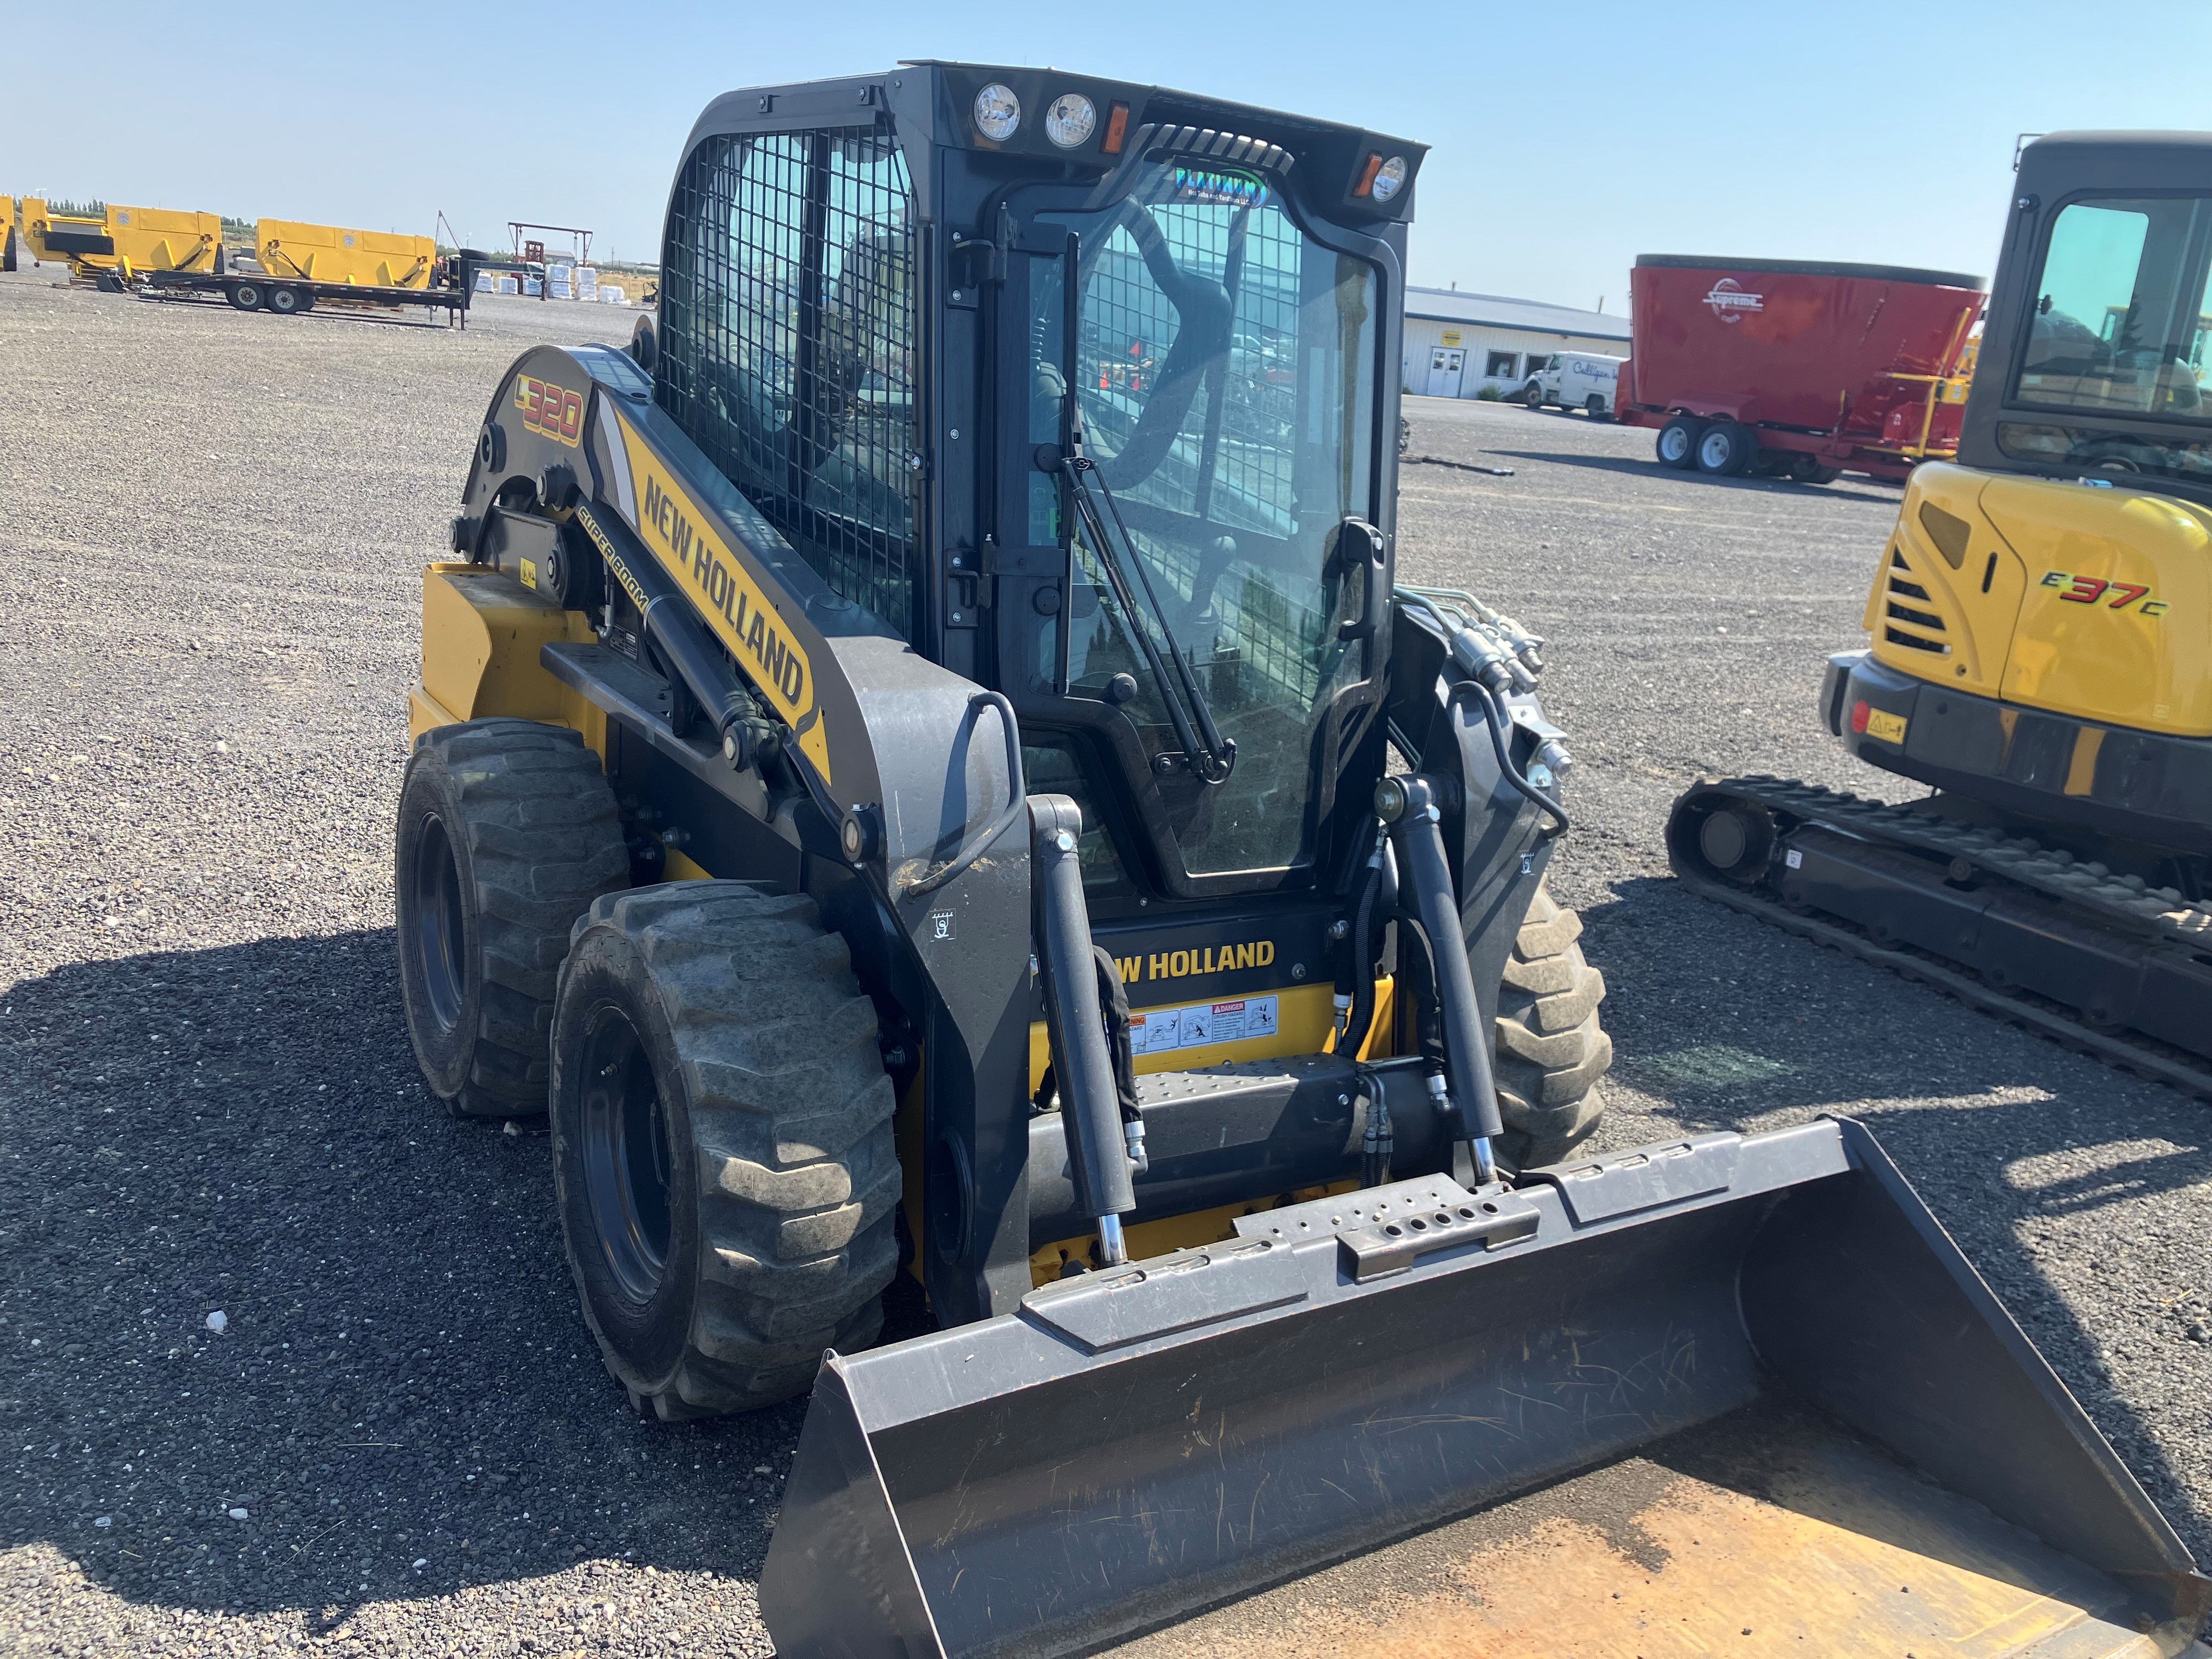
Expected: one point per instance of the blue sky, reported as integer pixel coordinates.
(1566, 139)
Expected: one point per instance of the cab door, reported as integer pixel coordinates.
(1225, 369)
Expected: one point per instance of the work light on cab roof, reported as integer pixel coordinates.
(998, 113)
(1070, 120)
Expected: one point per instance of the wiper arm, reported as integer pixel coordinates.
(1210, 756)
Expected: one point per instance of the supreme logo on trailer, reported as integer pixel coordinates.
(1729, 301)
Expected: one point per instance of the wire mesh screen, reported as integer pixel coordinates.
(787, 349)
(1235, 470)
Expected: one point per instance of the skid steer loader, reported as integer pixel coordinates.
(904, 771)
(2039, 624)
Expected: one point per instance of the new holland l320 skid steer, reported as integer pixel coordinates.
(2038, 654)
(902, 770)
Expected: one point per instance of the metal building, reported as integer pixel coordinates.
(1456, 344)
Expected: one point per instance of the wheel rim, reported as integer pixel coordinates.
(1674, 443)
(1713, 450)
(439, 925)
(624, 1146)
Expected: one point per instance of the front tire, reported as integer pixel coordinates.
(1532, 395)
(507, 831)
(1550, 1049)
(722, 1146)
(246, 296)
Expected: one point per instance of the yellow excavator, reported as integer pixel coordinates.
(2038, 657)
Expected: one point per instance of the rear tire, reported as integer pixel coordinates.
(722, 1145)
(1594, 406)
(285, 301)
(507, 831)
(1552, 1049)
(1677, 445)
(246, 296)
(1727, 449)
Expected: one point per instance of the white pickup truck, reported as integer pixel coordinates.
(1573, 380)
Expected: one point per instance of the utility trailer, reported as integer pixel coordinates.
(1796, 369)
(448, 290)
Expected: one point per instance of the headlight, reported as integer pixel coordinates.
(1070, 120)
(998, 113)
(1387, 178)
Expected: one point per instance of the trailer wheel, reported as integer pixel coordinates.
(1678, 441)
(1550, 1049)
(1727, 449)
(722, 1146)
(284, 301)
(246, 296)
(507, 831)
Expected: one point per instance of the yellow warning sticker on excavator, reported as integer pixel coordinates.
(1890, 728)
(675, 526)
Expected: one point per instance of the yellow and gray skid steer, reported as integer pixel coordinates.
(902, 775)
(2038, 655)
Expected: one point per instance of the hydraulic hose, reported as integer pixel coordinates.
(1467, 1044)
(1361, 946)
(1494, 717)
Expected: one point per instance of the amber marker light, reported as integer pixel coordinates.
(1373, 166)
(1117, 128)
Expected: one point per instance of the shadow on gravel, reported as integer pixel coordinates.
(1734, 1024)
(402, 1398)
(1627, 464)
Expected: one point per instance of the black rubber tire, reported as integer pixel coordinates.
(1532, 395)
(1677, 443)
(507, 831)
(246, 296)
(730, 1024)
(1727, 449)
(285, 301)
(1594, 406)
(1552, 1049)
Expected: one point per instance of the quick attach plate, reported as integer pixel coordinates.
(1385, 1229)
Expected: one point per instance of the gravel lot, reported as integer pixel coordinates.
(401, 1442)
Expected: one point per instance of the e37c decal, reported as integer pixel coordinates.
(2113, 596)
(550, 411)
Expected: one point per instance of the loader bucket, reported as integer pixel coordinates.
(1722, 1394)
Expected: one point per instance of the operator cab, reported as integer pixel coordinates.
(1079, 387)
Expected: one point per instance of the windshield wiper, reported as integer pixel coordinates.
(1210, 756)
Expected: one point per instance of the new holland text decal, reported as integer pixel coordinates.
(550, 411)
(674, 525)
(1210, 959)
(2113, 596)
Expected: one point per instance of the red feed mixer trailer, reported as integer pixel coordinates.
(1796, 369)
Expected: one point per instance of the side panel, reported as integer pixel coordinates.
(2118, 602)
(1949, 587)
(482, 636)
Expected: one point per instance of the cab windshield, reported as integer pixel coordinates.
(1224, 375)
(2123, 313)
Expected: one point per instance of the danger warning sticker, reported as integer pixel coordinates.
(1157, 1030)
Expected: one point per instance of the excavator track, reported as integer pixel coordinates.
(2104, 963)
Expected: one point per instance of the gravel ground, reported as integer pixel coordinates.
(400, 1441)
